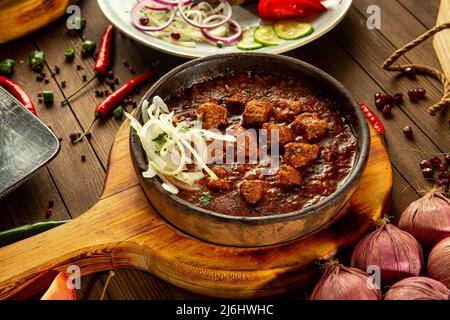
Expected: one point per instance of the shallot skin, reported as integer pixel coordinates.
(439, 262)
(345, 283)
(397, 253)
(418, 288)
(427, 219)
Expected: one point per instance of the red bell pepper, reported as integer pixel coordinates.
(59, 289)
(287, 9)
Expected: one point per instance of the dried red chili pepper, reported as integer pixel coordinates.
(286, 9)
(107, 104)
(102, 62)
(17, 92)
(374, 120)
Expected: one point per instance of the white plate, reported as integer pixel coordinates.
(118, 12)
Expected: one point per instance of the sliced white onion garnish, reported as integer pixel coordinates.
(159, 103)
(208, 135)
(167, 185)
(134, 123)
(150, 173)
(167, 147)
(181, 185)
(225, 40)
(144, 109)
(224, 5)
(143, 5)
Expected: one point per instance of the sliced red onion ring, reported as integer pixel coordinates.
(174, 3)
(135, 19)
(155, 5)
(226, 40)
(204, 24)
(155, 8)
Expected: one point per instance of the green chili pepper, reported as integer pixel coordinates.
(23, 232)
(118, 112)
(89, 46)
(48, 97)
(69, 53)
(77, 24)
(37, 59)
(7, 66)
(219, 44)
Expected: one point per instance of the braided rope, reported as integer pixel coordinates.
(388, 65)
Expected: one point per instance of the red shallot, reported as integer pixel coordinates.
(427, 219)
(439, 262)
(345, 283)
(418, 288)
(394, 251)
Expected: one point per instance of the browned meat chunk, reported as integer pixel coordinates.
(286, 110)
(246, 146)
(243, 167)
(310, 126)
(219, 184)
(252, 191)
(256, 113)
(285, 134)
(300, 155)
(221, 172)
(288, 177)
(212, 116)
(236, 104)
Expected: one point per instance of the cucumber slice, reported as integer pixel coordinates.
(248, 41)
(267, 36)
(292, 29)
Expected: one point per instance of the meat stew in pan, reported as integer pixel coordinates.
(316, 145)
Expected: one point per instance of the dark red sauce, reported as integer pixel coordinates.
(317, 147)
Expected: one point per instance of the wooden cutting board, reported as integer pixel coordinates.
(442, 39)
(123, 231)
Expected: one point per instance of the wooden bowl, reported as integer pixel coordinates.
(21, 17)
(253, 231)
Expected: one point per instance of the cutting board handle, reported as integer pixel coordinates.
(49, 252)
(28, 266)
(98, 240)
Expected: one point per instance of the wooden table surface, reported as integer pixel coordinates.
(352, 53)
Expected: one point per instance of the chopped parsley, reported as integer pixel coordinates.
(161, 139)
(184, 130)
(205, 199)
